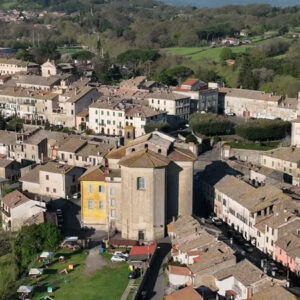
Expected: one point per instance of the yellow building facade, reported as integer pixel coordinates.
(94, 210)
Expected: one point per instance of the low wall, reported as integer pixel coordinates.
(252, 156)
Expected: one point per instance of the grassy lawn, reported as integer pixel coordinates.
(264, 146)
(107, 283)
(198, 53)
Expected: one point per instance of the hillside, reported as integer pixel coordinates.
(218, 3)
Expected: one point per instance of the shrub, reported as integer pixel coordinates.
(210, 124)
(261, 129)
(191, 138)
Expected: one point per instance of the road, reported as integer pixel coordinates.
(154, 283)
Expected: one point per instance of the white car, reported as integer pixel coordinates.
(76, 196)
(119, 253)
(216, 221)
(117, 258)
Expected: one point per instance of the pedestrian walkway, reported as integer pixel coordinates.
(128, 289)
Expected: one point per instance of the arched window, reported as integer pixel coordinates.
(140, 183)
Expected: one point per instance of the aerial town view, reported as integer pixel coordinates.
(149, 150)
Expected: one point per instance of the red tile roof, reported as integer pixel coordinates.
(184, 271)
(190, 81)
(143, 250)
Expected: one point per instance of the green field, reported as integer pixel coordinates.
(109, 282)
(198, 53)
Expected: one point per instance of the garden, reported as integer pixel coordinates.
(64, 277)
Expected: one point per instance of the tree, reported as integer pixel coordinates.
(262, 129)
(139, 60)
(226, 53)
(83, 55)
(210, 124)
(160, 126)
(246, 78)
(31, 240)
(179, 72)
(24, 55)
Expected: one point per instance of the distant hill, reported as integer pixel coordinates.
(216, 3)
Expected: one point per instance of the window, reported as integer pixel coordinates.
(47, 189)
(54, 190)
(101, 188)
(108, 113)
(112, 202)
(90, 188)
(258, 233)
(101, 204)
(47, 177)
(112, 191)
(280, 251)
(140, 183)
(90, 204)
(113, 213)
(224, 202)
(102, 112)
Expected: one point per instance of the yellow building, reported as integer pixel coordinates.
(93, 197)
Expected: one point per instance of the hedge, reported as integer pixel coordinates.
(261, 130)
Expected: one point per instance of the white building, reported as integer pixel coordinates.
(240, 205)
(17, 208)
(257, 104)
(13, 66)
(241, 281)
(111, 115)
(177, 106)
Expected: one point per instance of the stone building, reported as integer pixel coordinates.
(150, 180)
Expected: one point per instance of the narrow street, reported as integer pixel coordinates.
(154, 285)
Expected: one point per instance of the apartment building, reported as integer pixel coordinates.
(285, 160)
(287, 251)
(17, 208)
(100, 197)
(53, 179)
(202, 98)
(241, 281)
(110, 115)
(176, 105)
(59, 107)
(74, 100)
(30, 145)
(240, 205)
(83, 153)
(257, 104)
(13, 66)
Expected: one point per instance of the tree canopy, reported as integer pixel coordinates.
(210, 124)
(262, 129)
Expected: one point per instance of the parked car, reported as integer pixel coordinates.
(76, 196)
(239, 239)
(117, 258)
(217, 221)
(119, 253)
(248, 248)
(134, 274)
(230, 114)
